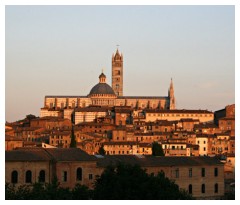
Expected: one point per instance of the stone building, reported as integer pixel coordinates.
(203, 177)
(103, 94)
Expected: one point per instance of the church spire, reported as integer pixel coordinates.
(171, 96)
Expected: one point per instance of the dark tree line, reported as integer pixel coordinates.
(125, 182)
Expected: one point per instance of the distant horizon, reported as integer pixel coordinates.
(61, 50)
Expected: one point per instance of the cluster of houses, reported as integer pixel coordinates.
(197, 137)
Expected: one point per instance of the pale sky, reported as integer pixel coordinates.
(61, 50)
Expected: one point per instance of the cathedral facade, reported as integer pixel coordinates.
(104, 95)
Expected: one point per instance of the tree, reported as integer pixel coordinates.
(157, 149)
(101, 150)
(130, 182)
(73, 143)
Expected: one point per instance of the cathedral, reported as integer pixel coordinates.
(104, 95)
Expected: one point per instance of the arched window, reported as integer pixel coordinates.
(41, 176)
(190, 189)
(28, 178)
(216, 188)
(79, 174)
(14, 177)
(203, 188)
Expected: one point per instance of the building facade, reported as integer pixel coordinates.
(203, 177)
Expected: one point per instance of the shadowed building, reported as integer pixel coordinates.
(203, 177)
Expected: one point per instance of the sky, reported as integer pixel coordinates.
(61, 50)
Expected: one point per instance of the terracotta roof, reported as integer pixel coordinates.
(121, 143)
(160, 123)
(70, 154)
(227, 118)
(152, 161)
(178, 111)
(205, 125)
(92, 109)
(188, 120)
(41, 154)
(27, 154)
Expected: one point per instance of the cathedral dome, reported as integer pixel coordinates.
(102, 87)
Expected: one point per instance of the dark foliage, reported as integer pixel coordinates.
(129, 182)
(157, 149)
(101, 151)
(73, 143)
(120, 182)
(52, 191)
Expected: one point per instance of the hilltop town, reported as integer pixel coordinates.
(76, 137)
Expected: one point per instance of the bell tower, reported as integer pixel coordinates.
(117, 73)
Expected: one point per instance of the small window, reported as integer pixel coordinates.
(190, 172)
(216, 188)
(215, 171)
(90, 176)
(28, 178)
(41, 176)
(190, 189)
(203, 172)
(177, 173)
(14, 177)
(203, 188)
(64, 176)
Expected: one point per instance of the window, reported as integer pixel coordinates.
(90, 176)
(79, 174)
(216, 188)
(14, 177)
(190, 189)
(203, 188)
(203, 172)
(64, 176)
(28, 178)
(177, 173)
(41, 176)
(215, 171)
(190, 172)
